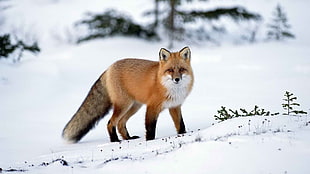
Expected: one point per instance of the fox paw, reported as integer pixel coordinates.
(133, 137)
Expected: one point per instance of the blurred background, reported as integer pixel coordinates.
(30, 24)
(244, 53)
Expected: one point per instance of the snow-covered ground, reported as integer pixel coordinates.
(39, 95)
(244, 145)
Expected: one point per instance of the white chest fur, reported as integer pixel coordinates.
(176, 93)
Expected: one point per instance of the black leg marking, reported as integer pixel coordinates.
(150, 130)
(113, 135)
(182, 127)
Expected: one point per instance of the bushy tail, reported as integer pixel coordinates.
(96, 105)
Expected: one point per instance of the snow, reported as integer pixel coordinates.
(266, 145)
(39, 95)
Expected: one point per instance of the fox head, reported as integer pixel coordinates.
(176, 75)
(175, 66)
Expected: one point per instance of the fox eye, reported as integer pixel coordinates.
(182, 69)
(170, 70)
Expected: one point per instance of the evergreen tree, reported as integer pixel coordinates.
(168, 17)
(7, 47)
(174, 19)
(156, 14)
(112, 23)
(279, 27)
(290, 103)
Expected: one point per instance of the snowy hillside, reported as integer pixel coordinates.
(39, 95)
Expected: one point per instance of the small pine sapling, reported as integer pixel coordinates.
(225, 114)
(290, 103)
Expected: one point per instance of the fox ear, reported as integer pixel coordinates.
(185, 53)
(164, 54)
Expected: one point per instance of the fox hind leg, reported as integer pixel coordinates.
(118, 112)
(122, 122)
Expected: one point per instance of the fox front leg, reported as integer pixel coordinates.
(150, 122)
(176, 115)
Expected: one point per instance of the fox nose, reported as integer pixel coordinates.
(176, 80)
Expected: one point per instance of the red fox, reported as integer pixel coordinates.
(129, 83)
